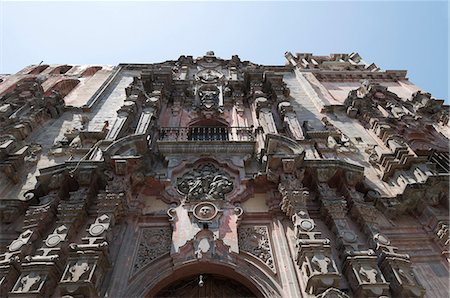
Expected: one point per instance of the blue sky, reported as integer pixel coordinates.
(394, 35)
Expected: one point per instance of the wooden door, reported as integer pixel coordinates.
(213, 286)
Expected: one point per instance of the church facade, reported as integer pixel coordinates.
(211, 177)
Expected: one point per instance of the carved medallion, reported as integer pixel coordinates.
(349, 236)
(21, 241)
(205, 211)
(208, 75)
(307, 224)
(205, 183)
(100, 225)
(57, 236)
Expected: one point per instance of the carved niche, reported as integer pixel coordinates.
(255, 240)
(205, 183)
(153, 243)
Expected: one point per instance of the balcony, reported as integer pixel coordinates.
(206, 140)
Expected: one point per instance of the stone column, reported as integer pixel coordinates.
(37, 219)
(264, 113)
(437, 220)
(45, 265)
(290, 120)
(124, 117)
(89, 260)
(395, 267)
(151, 107)
(314, 256)
(359, 266)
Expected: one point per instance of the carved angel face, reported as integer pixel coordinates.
(205, 211)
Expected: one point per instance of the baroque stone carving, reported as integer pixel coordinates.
(21, 241)
(77, 270)
(100, 225)
(205, 183)
(322, 264)
(28, 283)
(153, 243)
(205, 211)
(255, 240)
(368, 273)
(57, 236)
(209, 75)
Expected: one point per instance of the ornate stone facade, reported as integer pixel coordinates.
(325, 177)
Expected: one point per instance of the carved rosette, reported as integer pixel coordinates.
(255, 240)
(153, 243)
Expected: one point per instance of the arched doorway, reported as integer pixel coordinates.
(207, 285)
(219, 280)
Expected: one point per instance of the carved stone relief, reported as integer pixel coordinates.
(20, 241)
(205, 183)
(57, 236)
(153, 243)
(205, 211)
(322, 264)
(78, 269)
(368, 274)
(29, 283)
(255, 240)
(100, 225)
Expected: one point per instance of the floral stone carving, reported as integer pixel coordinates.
(205, 183)
(153, 243)
(255, 240)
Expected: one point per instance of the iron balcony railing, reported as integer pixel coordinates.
(206, 133)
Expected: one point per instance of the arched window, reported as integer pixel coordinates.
(63, 87)
(38, 69)
(61, 69)
(90, 71)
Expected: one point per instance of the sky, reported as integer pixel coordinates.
(394, 35)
